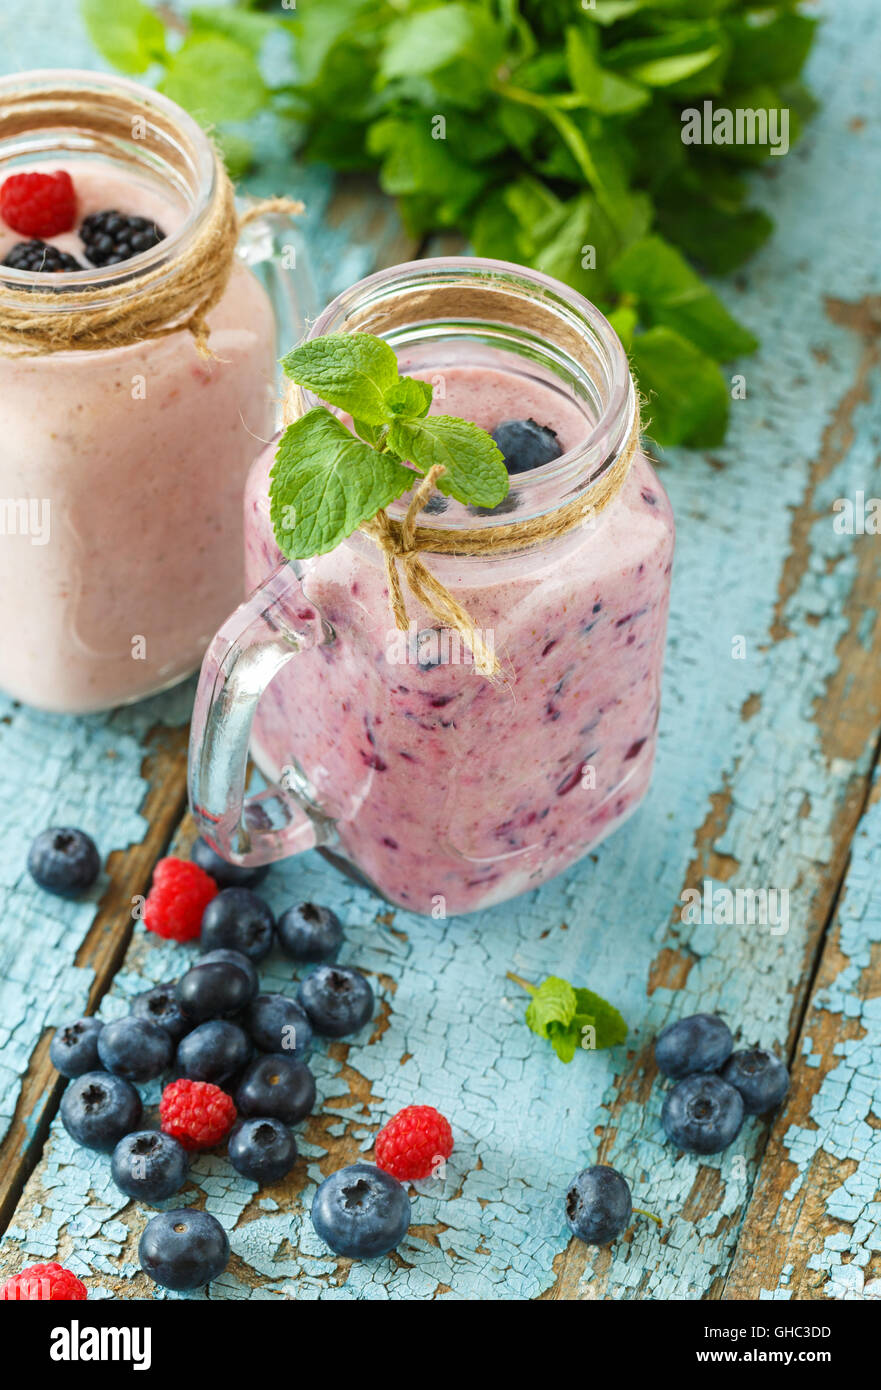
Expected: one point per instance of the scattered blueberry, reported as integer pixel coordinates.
(64, 861)
(74, 1048)
(214, 1051)
(97, 1109)
(159, 1005)
(262, 1149)
(239, 920)
(759, 1076)
(149, 1165)
(337, 1000)
(310, 933)
(183, 1249)
(225, 875)
(598, 1205)
(278, 1024)
(134, 1048)
(233, 958)
(702, 1114)
(700, 1043)
(525, 444)
(279, 1086)
(214, 989)
(361, 1211)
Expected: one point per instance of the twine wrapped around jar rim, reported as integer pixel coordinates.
(402, 541)
(176, 295)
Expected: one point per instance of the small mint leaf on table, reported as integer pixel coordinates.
(352, 371)
(475, 467)
(325, 483)
(562, 1014)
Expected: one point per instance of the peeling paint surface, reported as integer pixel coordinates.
(761, 772)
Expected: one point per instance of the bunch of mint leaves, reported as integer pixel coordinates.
(328, 478)
(570, 1018)
(547, 132)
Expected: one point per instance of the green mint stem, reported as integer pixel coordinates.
(638, 1211)
(524, 984)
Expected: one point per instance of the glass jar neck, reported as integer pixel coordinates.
(500, 313)
(68, 115)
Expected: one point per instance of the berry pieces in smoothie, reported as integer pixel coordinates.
(64, 861)
(526, 444)
(40, 258)
(111, 237)
(39, 205)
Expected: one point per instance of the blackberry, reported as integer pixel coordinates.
(111, 237)
(39, 257)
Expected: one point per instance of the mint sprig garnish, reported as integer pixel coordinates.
(571, 1019)
(328, 478)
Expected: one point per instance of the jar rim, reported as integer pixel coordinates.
(196, 151)
(604, 437)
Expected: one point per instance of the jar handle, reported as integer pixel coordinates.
(267, 631)
(275, 244)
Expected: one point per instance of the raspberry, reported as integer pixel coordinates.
(196, 1113)
(43, 1282)
(39, 205)
(180, 893)
(410, 1146)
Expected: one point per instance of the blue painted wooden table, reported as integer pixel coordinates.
(766, 779)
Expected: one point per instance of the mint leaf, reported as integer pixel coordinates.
(672, 294)
(475, 468)
(600, 89)
(125, 32)
(571, 1019)
(409, 397)
(325, 482)
(687, 399)
(215, 78)
(352, 371)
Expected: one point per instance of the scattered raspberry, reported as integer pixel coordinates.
(39, 205)
(413, 1142)
(196, 1113)
(180, 893)
(43, 1282)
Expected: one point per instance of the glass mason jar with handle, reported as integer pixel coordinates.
(443, 790)
(125, 450)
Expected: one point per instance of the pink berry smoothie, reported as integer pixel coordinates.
(451, 793)
(130, 465)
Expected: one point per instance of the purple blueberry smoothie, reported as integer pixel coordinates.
(449, 792)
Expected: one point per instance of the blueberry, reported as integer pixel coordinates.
(213, 1052)
(759, 1076)
(526, 444)
(159, 1005)
(183, 1249)
(64, 861)
(702, 1114)
(97, 1109)
(361, 1212)
(337, 1000)
(279, 1086)
(598, 1205)
(134, 1048)
(310, 933)
(214, 989)
(278, 1024)
(239, 920)
(699, 1043)
(262, 1149)
(74, 1048)
(149, 1165)
(233, 958)
(225, 875)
